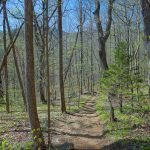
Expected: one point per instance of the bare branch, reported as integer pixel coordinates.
(97, 18)
(109, 21)
(8, 50)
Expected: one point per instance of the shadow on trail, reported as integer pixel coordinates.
(89, 136)
(119, 145)
(128, 145)
(65, 146)
(81, 115)
(87, 110)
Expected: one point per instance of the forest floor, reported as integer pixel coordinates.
(77, 129)
(82, 128)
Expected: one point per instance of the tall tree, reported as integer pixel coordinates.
(40, 31)
(102, 40)
(42, 56)
(30, 77)
(6, 65)
(48, 74)
(61, 77)
(81, 42)
(146, 18)
(91, 47)
(103, 35)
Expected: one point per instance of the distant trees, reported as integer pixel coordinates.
(30, 77)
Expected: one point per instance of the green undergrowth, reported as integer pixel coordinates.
(7, 145)
(131, 124)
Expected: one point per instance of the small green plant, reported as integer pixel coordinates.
(29, 145)
(6, 145)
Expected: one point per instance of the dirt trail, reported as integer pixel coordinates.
(83, 129)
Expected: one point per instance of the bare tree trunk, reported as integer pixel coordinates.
(77, 74)
(92, 54)
(61, 76)
(42, 57)
(42, 74)
(48, 74)
(1, 89)
(102, 54)
(146, 18)
(92, 75)
(41, 84)
(120, 102)
(81, 42)
(5, 47)
(112, 113)
(30, 77)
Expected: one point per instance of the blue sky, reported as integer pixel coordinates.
(70, 18)
(14, 7)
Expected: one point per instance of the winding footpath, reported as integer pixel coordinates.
(82, 130)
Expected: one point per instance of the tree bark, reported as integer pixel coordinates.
(81, 42)
(30, 77)
(112, 113)
(61, 77)
(145, 4)
(1, 89)
(42, 57)
(48, 74)
(5, 48)
(120, 102)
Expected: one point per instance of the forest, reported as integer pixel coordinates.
(74, 74)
